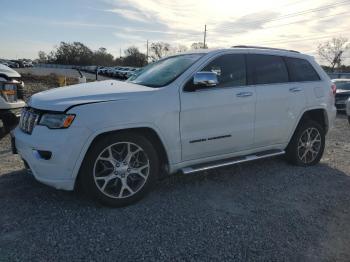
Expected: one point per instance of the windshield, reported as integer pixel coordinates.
(343, 85)
(164, 71)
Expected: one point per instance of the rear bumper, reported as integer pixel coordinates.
(332, 114)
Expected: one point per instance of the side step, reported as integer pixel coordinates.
(231, 161)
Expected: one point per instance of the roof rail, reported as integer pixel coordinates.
(262, 47)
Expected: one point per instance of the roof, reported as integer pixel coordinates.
(264, 48)
(248, 49)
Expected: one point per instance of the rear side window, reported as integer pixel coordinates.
(231, 70)
(301, 70)
(266, 69)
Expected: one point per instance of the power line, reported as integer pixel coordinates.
(290, 15)
(296, 22)
(303, 39)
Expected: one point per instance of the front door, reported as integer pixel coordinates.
(219, 120)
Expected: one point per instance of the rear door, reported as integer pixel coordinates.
(278, 100)
(305, 82)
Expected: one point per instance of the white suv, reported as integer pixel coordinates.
(187, 113)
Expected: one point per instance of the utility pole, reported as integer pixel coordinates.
(147, 52)
(120, 52)
(205, 36)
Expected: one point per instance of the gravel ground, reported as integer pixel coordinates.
(259, 211)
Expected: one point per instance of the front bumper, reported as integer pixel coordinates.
(65, 146)
(11, 113)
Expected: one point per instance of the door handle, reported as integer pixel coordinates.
(244, 94)
(295, 89)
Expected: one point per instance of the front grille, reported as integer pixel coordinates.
(341, 97)
(340, 106)
(28, 120)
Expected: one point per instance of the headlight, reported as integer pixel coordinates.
(56, 121)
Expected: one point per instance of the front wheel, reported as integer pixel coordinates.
(119, 169)
(307, 144)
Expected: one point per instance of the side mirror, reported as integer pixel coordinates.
(205, 79)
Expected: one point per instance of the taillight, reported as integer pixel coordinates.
(334, 89)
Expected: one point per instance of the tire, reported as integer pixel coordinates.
(114, 177)
(304, 152)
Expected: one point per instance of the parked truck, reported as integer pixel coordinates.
(11, 99)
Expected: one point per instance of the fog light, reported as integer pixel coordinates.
(42, 154)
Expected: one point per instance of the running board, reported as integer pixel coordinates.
(231, 161)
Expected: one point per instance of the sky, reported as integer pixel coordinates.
(29, 26)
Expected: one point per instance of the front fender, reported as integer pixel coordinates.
(122, 127)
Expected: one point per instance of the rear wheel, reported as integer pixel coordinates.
(307, 144)
(120, 169)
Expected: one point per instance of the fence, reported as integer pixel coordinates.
(57, 66)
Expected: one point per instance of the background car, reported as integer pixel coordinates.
(343, 93)
(132, 72)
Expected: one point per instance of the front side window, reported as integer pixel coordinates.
(165, 71)
(230, 69)
(266, 69)
(301, 70)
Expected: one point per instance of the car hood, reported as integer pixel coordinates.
(60, 99)
(9, 72)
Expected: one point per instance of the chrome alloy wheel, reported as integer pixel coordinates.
(121, 170)
(309, 145)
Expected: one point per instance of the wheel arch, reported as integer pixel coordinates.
(316, 114)
(149, 132)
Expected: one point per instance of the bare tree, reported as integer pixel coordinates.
(181, 49)
(333, 50)
(159, 50)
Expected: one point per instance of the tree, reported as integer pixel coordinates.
(75, 53)
(199, 45)
(159, 50)
(101, 57)
(133, 57)
(119, 61)
(333, 50)
(42, 57)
